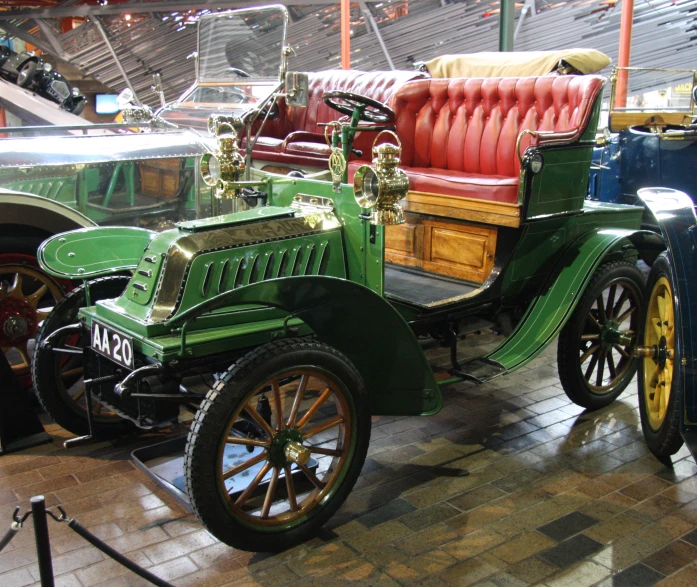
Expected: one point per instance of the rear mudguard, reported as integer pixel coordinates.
(549, 312)
(94, 252)
(676, 218)
(359, 323)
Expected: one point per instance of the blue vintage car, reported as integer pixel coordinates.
(651, 141)
(668, 337)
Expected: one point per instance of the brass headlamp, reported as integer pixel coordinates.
(380, 187)
(223, 168)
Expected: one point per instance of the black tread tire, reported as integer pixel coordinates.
(79, 107)
(209, 423)
(44, 364)
(32, 67)
(570, 375)
(665, 441)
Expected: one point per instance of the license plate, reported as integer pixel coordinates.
(113, 345)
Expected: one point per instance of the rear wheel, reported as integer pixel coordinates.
(58, 377)
(659, 400)
(78, 106)
(277, 445)
(27, 295)
(596, 346)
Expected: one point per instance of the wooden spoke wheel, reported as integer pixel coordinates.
(27, 295)
(291, 428)
(596, 346)
(58, 371)
(659, 401)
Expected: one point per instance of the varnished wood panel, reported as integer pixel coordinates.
(404, 242)
(459, 250)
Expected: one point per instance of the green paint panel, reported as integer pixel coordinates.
(91, 252)
(548, 313)
(244, 217)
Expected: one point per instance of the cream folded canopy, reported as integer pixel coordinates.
(516, 64)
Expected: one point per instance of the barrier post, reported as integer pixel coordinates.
(43, 546)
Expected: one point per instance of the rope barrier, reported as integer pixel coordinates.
(43, 549)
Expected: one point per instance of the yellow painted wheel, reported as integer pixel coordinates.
(660, 401)
(659, 335)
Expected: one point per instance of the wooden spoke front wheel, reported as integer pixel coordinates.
(291, 426)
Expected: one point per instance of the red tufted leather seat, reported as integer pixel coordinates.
(295, 136)
(459, 134)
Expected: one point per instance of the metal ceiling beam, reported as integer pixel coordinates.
(47, 32)
(368, 16)
(36, 41)
(100, 27)
(144, 7)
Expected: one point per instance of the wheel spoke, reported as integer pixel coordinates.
(78, 395)
(290, 487)
(251, 488)
(626, 315)
(322, 427)
(34, 298)
(251, 410)
(595, 322)
(42, 314)
(601, 309)
(601, 368)
(244, 466)
(246, 441)
(610, 300)
(270, 494)
(590, 337)
(591, 351)
(611, 365)
(298, 399)
(332, 452)
(621, 300)
(621, 351)
(312, 477)
(316, 406)
(592, 364)
(277, 405)
(16, 290)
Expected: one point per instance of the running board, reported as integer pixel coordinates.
(478, 370)
(547, 314)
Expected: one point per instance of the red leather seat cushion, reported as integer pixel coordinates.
(493, 188)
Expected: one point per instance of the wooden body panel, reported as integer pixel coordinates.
(444, 246)
(160, 177)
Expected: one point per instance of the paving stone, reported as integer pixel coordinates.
(571, 551)
(567, 526)
(638, 575)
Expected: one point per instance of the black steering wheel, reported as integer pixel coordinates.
(371, 110)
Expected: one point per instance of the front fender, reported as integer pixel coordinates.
(675, 213)
(94, 252)
(359, 323)
(22, 209)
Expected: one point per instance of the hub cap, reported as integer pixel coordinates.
(280, 458)
(26, 298)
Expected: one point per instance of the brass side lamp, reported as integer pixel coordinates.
(380, 186)
(224, 167)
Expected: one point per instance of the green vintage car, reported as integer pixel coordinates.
(285, 325)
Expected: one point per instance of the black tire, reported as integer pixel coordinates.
(25, 77)
(52, 390)
(285, 362)
(585, 352)
(661, 428)
(78, 106)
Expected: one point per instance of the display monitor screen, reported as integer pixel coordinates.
(106, 104)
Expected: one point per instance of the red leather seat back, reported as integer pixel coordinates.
(471, 124)
(378, 85)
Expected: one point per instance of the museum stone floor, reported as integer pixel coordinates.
(510, 484)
